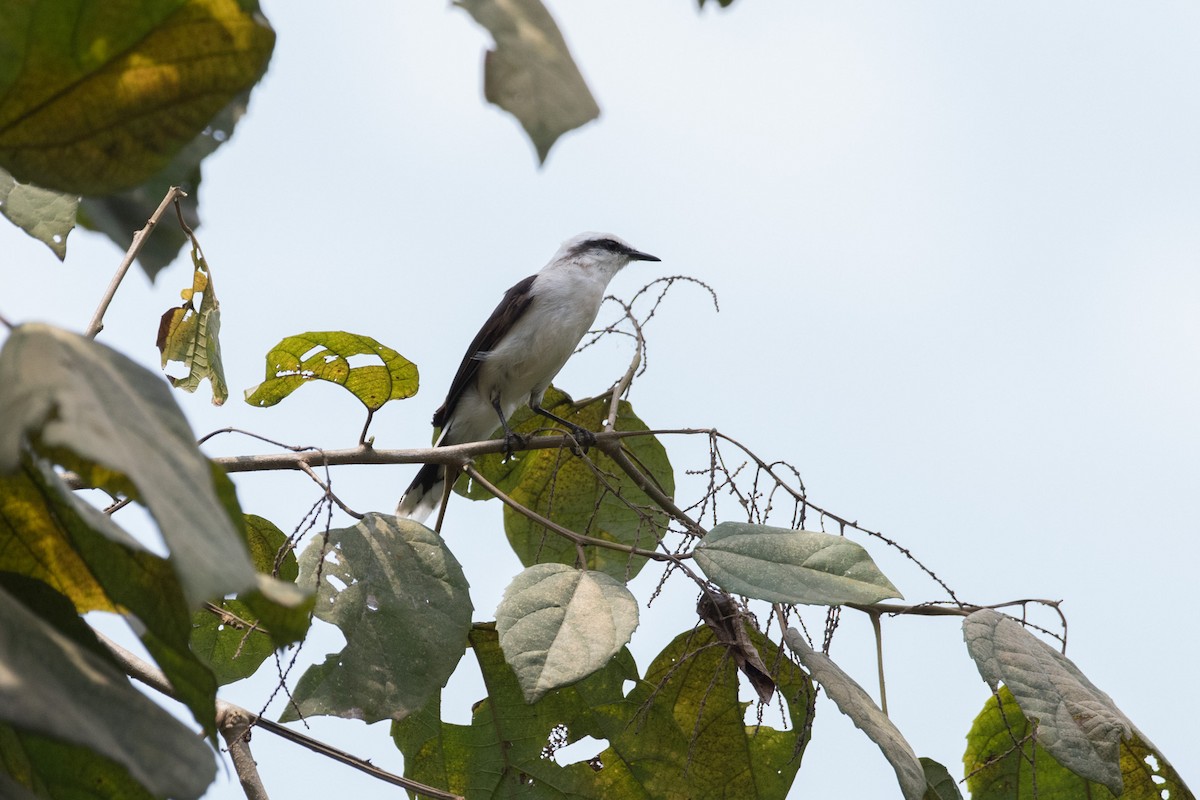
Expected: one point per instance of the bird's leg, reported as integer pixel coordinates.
(512, 439)
(585, 437)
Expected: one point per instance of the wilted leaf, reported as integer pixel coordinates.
(401, 600)
(856, 704)
(97, 96)
(45, 215)
(1077, 723)
(83, 403)
(531, 74)
(727, 621)
(941, 784)
(565, 489)
(57, 688)
(1003, 762)
(558, 625)
(325, 356)
(786, 566)
(190, 335)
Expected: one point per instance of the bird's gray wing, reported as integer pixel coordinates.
(516, 302)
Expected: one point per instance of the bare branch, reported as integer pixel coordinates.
(97, 324)
(234, 725)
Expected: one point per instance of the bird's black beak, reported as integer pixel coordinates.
(638, 255)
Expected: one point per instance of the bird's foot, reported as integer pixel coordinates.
(584, 439)
(513, 442)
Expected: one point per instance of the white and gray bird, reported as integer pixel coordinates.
(519, 350)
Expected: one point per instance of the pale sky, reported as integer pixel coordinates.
(956, 250)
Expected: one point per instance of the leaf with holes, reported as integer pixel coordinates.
(780, 565)
(856, 704)
(1079, 725)
(558, 624)
(189, 335)
(1003, 762)
(325, 356)
(400, 598)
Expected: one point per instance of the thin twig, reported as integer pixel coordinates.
(97, 324)
(325, 487)
(155, 679)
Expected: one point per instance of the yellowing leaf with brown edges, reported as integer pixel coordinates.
(189, 335)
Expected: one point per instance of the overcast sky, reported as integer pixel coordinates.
(956, 250)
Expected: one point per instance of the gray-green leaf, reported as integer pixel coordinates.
(76, 396)
(1079, 725)
(558, 625)
(400, 598)
(780, 565)
(531, 74)
(941, 784)
(856, 704)
(46, 215)
(56, 687)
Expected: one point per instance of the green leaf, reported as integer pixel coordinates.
(1077, 723)
(400, 598)
(97, 96)
(84, 404)
(45, 215)
(189, 335)
(558, 625)
(678, 734)
(61, 771)
(998, 769)
(855, 703)
(325, 356)
(786, 566)
(119, 215)
(55, 687)
(602, 502)
(938, 779)
(226, 643)
(530, 74)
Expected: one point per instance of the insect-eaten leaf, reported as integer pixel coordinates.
(400, 598)
(326, 356)
(1006, 760)
(678, 733)
(781, 565)
(189, 335)
(100, 97)
(530, 74)
(558, 624)
(600, 501)
(1077, 724)
(46, 215)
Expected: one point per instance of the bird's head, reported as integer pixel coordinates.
(600, 251)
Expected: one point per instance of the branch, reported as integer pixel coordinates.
(97, 324)
(155, 679)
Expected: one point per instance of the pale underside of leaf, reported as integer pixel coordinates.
(558, 625)
(45, 215)
(1077, 723)
(788, 566)
(856, 704)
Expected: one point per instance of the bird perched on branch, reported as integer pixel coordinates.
(518, 351)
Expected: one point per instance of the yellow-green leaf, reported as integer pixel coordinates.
(325, 356)
(189, 335)
(96, 96)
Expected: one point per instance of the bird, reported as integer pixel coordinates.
(518, 352)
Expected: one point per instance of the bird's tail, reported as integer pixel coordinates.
(424, 493)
